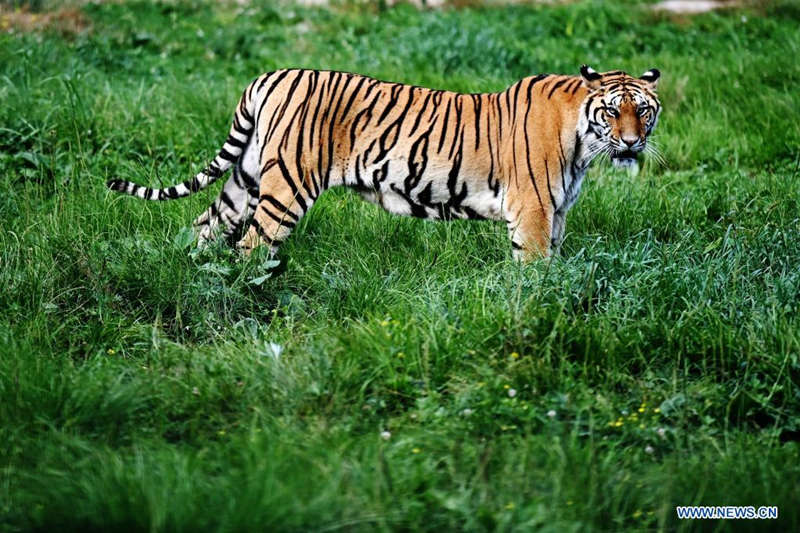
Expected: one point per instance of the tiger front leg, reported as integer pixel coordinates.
(531, 232)
(557, 234)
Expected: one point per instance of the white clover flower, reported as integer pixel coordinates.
(551, 413)
(467, 412)
(512, 393)
(385, 435)
(661, 432)
(649, 449)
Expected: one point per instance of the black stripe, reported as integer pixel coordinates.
(563, 163)
(352, 97)
(278, 205)
(331, 139)
(287, 99)
(249, 181)
(549, 189)
(227, 201)
(233, 141)
(280, 77)
(396, 89)
(459, 106)
(288, 178)
(476, 102)
(316, 112)
(456, 197)
(238, 127)
(417, 168)
(379, 175)
(367, 111)
(528, 148)
(264, 81)
(263, 234)
(243, 104)
(539, 78)
(516, 96)
(312, 86)
(274, 85)
(326, 115)
(494, 187)
(282, 221)
(227, 156)
(212, 170)
(499, 116)
(444, 126)
(393, 130)
(359, 182)
(290, 127)
(420, 113)
(556, 86)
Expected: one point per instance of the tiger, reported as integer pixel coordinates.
(518, 155)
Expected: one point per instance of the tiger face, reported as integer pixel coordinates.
(621, 112)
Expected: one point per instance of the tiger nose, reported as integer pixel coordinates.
(630, 140)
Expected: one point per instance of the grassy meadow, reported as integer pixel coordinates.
(394, 373)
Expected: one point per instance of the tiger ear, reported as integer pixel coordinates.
(651, 77)
(591, 78)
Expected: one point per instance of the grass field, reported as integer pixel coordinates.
(147, 386)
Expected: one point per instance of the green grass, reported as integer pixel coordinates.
(146, 386)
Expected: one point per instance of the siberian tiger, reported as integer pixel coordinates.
(518, 155)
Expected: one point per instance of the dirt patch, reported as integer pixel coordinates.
(65, 21)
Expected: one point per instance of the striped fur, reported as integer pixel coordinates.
(519, 155)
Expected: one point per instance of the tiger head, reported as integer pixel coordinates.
(620, 112)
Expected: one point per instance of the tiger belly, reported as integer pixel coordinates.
(436, 194)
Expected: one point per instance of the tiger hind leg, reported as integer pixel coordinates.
(282, 202)
(227, 215)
